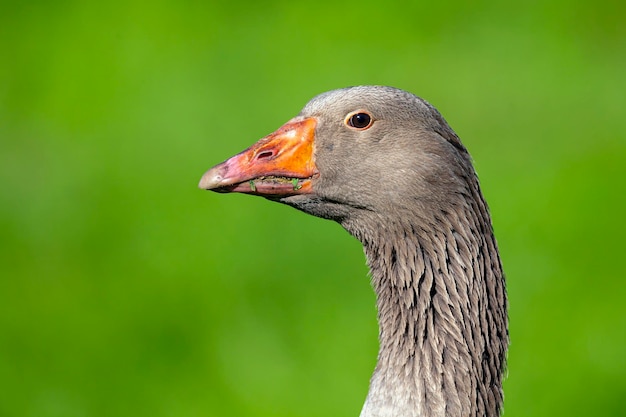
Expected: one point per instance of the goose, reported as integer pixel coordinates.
(385, 165)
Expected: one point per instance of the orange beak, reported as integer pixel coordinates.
(280, 164)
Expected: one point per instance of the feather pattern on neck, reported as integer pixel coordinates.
(441, 311)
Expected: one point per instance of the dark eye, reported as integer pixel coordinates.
(359, 120)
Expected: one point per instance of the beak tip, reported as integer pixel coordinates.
(211, 179)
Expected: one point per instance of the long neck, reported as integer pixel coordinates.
(442, 315)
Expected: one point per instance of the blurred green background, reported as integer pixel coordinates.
(126, 291)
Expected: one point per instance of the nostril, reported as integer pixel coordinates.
(265, 155)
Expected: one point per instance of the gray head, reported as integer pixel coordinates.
(351, 153)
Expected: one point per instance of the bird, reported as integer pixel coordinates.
(385, 165)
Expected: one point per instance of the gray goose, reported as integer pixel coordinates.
(385, 165)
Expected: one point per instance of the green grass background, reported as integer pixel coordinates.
(126, 291)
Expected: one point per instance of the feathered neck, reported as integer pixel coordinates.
(441, 311)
